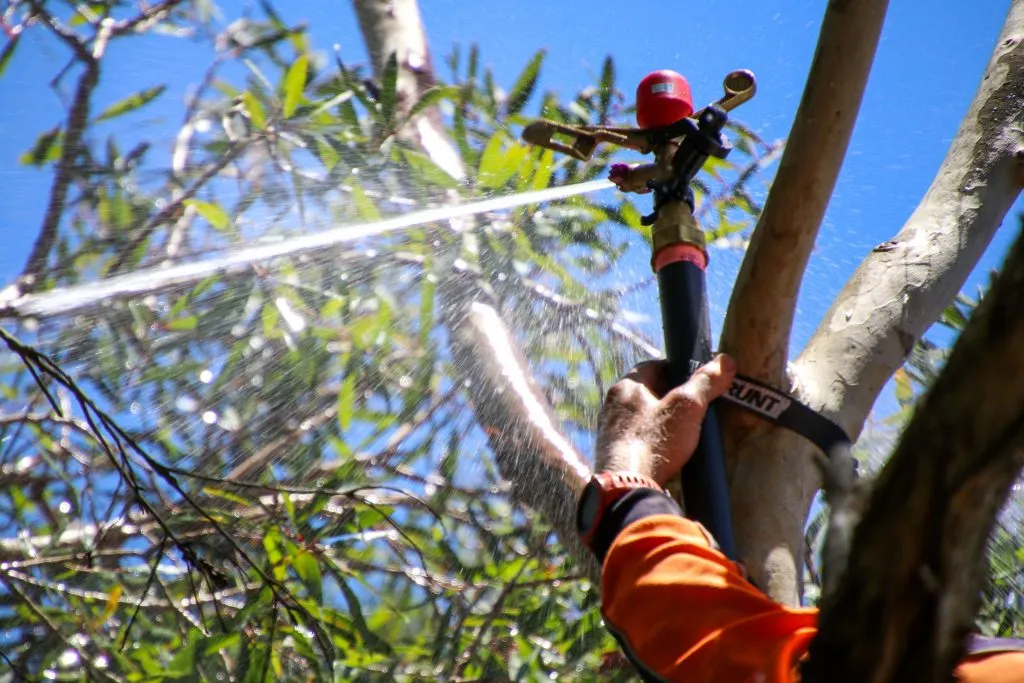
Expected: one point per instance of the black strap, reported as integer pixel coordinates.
(785, 411)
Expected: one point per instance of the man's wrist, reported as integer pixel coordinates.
(600, 495)
(628, 455)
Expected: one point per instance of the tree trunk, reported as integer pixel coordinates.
(908, 598)
(894, 296)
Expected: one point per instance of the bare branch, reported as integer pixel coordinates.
(520, 424)
(908, 599)
(71, 140)
(763, 302)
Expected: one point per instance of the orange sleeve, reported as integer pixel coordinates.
(683, 612)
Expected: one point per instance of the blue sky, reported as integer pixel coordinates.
(928, 66)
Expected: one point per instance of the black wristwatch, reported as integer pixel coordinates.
(600, 492)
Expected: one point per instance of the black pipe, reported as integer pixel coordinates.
(684, 316)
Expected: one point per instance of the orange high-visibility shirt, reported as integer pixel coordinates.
(684, 612)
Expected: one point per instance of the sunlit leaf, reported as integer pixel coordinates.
(183, 324)
(8, 52)
(346, 401)
(606, 89)
(904, 390)
(308, 569)
(45, 150)
(389, 88)
(524, 85)
(431, 97)
(215, 215)
(255, 110)
(428, 170)
(500, 162)
(294, 84)
(131, 103)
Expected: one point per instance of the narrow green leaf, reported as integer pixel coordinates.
(45, 150)
(432, 96)
(607, 88)
(425, 167)
(8, 52)
(340, 98)
(131, 103)
(474, 62)
(346, 400)
(364, 206)
(904, 390)
(524, 85)
(183, 324)
(388, 89)
(499, 163)
(294, 84)
(183, 663)
(215, 215)
(308, 569)
(254, 108)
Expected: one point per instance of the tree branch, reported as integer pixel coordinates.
(760, 314)
(904, 284)
(907, 602)
(395, 27)
(521, 427)
(78, 117)
(896, 293)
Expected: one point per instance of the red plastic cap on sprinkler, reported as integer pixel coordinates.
(663, 97)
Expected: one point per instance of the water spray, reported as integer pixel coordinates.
(72, 299)
(681, 142)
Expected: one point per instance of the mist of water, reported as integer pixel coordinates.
(71, 299)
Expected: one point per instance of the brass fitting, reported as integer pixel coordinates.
(676, 225)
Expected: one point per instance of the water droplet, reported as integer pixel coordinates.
(101, 662)
(256, 342)
(502, 277)
(405, 381)
(206, 376)
(186, 404)
(160, 203)
(64, 507)
(50, 675)
(135, 408)
(68, 659)
(209, 417)
(256, 381)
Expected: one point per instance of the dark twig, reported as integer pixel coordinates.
(78, 117)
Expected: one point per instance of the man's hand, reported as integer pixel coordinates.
(646, 428)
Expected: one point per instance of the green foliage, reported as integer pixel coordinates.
(319, 500)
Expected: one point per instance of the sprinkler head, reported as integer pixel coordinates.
(662, 98)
